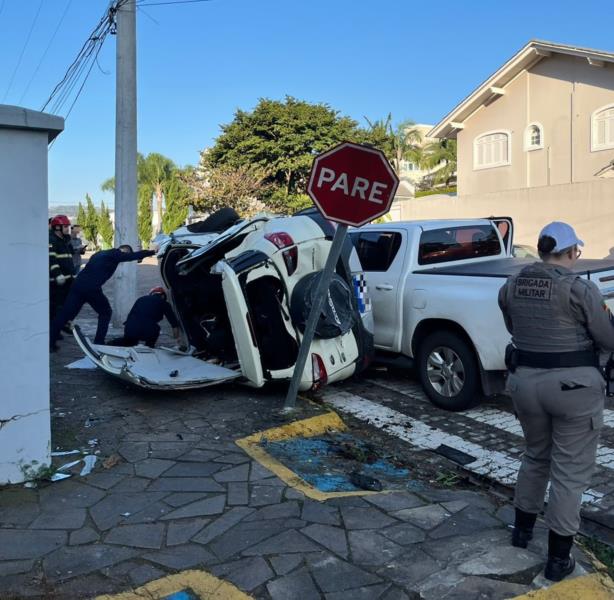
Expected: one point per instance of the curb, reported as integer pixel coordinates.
(588, 587)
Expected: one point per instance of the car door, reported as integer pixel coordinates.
(381, 254)
(155, 368)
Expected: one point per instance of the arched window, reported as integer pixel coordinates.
(534, 137)
(492, 149)
(602, 127)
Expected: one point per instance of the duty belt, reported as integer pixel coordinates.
(555, 360)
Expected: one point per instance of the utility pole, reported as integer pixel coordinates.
(125, 157)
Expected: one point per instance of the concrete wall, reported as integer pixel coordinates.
(560, 93)
(24, 301)
(588, 206)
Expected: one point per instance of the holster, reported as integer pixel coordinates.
(511, 358)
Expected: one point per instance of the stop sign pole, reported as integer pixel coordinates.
(351, 185)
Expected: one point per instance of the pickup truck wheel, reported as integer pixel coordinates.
(448, 371)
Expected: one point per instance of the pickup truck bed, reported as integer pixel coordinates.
(504, 267)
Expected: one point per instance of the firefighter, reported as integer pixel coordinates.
(87, 288)
(142, 322)
(61, 266)
(558, 322)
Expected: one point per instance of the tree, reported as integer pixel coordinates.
(144, 215)
(217, 187)
(154, 173)
(177, 195)
(90, 225)
(278, 139)
(397, 143)
(81, 218)
(443, 154)
(105, 227)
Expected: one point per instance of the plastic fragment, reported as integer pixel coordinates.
(90, 461)
(66, 452)
(59, 476)
(69, 465)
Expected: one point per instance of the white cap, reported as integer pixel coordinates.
(563, 234)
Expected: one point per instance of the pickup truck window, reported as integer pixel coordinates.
(458, 243)
(376, 249)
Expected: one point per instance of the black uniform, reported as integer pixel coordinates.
(60, 263)
(87, 288)
(142, 322)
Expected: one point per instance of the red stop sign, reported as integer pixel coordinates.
(352, 184)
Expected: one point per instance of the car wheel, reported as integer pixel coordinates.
(217, 222)
(448, 371)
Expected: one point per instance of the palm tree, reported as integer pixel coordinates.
(398, 143)
(442, 152)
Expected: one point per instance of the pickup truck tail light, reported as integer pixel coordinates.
(282, 240)
(318, 369)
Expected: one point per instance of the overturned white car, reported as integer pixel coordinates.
(242, 297)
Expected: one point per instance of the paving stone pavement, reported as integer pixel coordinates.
(181, 495)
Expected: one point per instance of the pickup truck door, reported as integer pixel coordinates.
(505, 225)
(381, 255)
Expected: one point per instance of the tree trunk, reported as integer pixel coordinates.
(289, 182)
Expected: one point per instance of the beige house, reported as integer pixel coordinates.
(536, 142)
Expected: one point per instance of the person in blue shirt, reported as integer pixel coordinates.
(143, 318)
(87, 289)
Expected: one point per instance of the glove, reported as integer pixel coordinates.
(60, 279)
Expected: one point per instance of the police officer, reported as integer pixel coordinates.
(143, 318)
(558, 321)
(61, 267)
(87, 288)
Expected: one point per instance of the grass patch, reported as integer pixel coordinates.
(444, 190)
(603, 552)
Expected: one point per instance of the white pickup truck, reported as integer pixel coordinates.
(434, 287)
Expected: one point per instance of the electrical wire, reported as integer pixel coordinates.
(83, 63)
(168, 3)
(40, 62)
(23, 50)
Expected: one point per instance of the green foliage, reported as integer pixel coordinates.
(602, 552)
(401, 142)
(280, 138)
(105, 227)
(90, 225)
(177, 196)
(288, 204)
(144, 215)
(81, 217)
(442, 151)
(442, 190)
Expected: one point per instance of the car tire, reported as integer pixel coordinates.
(448, 370)
(217, 222)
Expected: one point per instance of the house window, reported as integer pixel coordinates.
(492, 149)
(534, 137)
(603, 128)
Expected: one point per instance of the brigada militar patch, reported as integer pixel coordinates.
(533, 288)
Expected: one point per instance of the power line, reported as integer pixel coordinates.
(8, 89)
(168, 3)
(40, 62)
(86, 55)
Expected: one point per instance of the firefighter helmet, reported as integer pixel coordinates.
(62, 220)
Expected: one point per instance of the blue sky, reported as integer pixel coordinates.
(198, 63)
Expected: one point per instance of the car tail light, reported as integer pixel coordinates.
(281, 240)
(318, 370)
(290, 259)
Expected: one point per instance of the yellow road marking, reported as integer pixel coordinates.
(311, 427)
(204, 585)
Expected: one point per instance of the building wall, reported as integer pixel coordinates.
(560, 93)
(24, 306)
(588, 206)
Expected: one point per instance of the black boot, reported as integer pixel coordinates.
(560, 562)
(523, 528)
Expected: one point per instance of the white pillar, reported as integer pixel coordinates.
(25, 433)
(125, 158)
